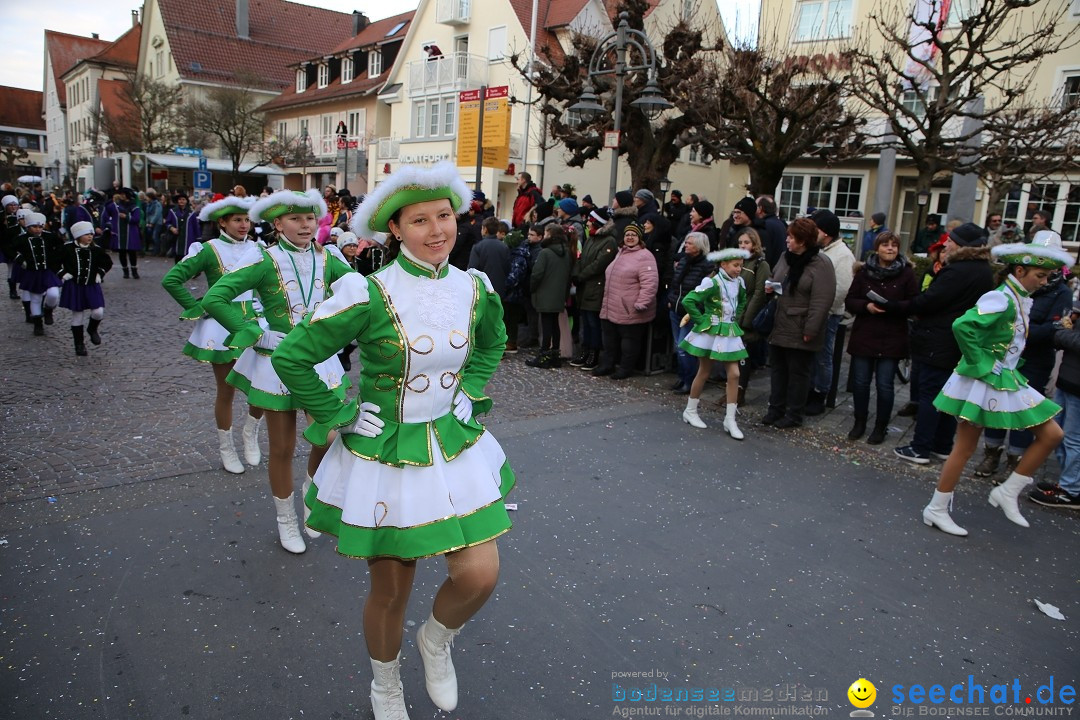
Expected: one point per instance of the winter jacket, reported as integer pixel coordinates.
(492, 257)
(526, 199)
(709, 228)
(1069, 374)
(596, 254)
(517, 277)
(468, 234)
(550, 281)
(754, 274)
(730, 239)
(621, 217)
(965, 277)
(659, 244)
(630, 287)
(689, 273)
(880, 335)
(1049, 304)
(804, 311)
(844, 267)
(773, 234)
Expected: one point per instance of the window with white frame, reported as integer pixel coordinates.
(433, 118)
(420, 117)
(301, 80)
(1061, 200)
(961, 10)
(448, 116)
(324, 74)
(374, 63)
(282, 130)
(798, 192)
(346, 70)
(327, 123)
(822, 19)
(497, 44)
(1070, 91)
(303, 128)
(355, 124)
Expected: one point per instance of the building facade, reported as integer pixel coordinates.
(22, 128)
(62, 52)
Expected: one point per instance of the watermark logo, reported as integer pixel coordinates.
(862, 695)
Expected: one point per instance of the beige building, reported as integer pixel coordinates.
(23, 128)
(451, 46)
(824, 26)
(334, 91)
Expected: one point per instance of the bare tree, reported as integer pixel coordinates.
(10, 155)
(944, 84)
(765, 108)
(231, 116)
(649, 146)
(147, 117)
(289, 151)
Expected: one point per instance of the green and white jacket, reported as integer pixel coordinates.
(215, 259)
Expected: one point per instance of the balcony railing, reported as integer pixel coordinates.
(326, 146)
(453, 12)
(388, 148)
(456, 71)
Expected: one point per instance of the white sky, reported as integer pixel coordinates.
(24, 25)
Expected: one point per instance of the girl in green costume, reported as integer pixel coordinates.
(214, 259)
(290, 279)
(987, 389)
(412, 473)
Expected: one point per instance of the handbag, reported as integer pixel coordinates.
(765, 318)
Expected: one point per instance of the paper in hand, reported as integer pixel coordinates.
(875, 297)
(777, 288)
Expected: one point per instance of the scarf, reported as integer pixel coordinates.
(703, 223)
(878, 272)
(796, 264)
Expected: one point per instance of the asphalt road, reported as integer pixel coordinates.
(777, 570)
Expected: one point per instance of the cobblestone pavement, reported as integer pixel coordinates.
(137, 409)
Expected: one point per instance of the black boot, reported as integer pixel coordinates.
(26, 309)
(857, 429)
(815, 403)
(48, 315)
(591, 360)
(91, 329)
(12, 292)
(77, 334)
(126, 274)
(39, 325)
(877, 435)
(579, 359)
(134, 272)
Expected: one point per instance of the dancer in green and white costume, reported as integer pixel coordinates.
(413, 473)
(290, 279)
(713, 307)
(215, 259)
(987, 389)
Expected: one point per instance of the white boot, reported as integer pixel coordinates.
(434, 641)
(307, 511)
(937, 514)
(252, 454)
(228, 452)
(690, 415)
(729, 423)
(288, 527)
(1004, 496)
(387, 696)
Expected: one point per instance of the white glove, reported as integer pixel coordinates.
(998, 367)
(463, 407)
(714, 320)
(66, 276)
(270, 339)
(369, 424)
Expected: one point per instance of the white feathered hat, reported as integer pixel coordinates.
(409, 185)
(287, 202)
(1043, 251)
(728, 254)
(230, 205)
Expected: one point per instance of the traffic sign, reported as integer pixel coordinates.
(201, 179)
(137, 164)
(202, 162)
(188, 151)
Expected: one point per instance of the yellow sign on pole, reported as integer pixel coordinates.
(497, 118)
(468, 139)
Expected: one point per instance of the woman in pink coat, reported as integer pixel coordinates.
(629, 305)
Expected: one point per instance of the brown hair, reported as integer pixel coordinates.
(755, 241)
(491, 226)
(886, 236)
(804, 230)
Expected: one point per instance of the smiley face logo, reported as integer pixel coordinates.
(862, 693)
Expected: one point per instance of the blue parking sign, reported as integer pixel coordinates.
(201, 179)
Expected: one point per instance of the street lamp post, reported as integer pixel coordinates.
(651, 102)
(665, 186)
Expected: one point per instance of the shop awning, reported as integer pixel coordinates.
(188, 162)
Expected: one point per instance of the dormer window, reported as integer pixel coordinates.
(324, 74)
(346, 70)
(301, 80)
(374, 63)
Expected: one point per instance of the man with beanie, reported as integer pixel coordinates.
(623, 212)
(742, 219)
(675, 209)
(928, 235)
(836, 250)
(877, 226)
(569, 216)
(772, 229)
(965, 277)
(645, 202)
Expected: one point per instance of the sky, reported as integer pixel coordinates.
(23, 64)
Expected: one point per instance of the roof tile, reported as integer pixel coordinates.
(65, 51)
(21, 108)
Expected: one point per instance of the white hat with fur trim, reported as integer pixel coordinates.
(231, 205)
(9, 200)
(347, 238)
(409, 185)
(288, 202)
(1043, 251)
(728, 254)
(82, 228)
(35, 219)
(22, 213)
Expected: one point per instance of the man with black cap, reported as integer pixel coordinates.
(965, 276)
(675, 209)
(623, 212)
(877, 226)
(702, 221)
(836, 250)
